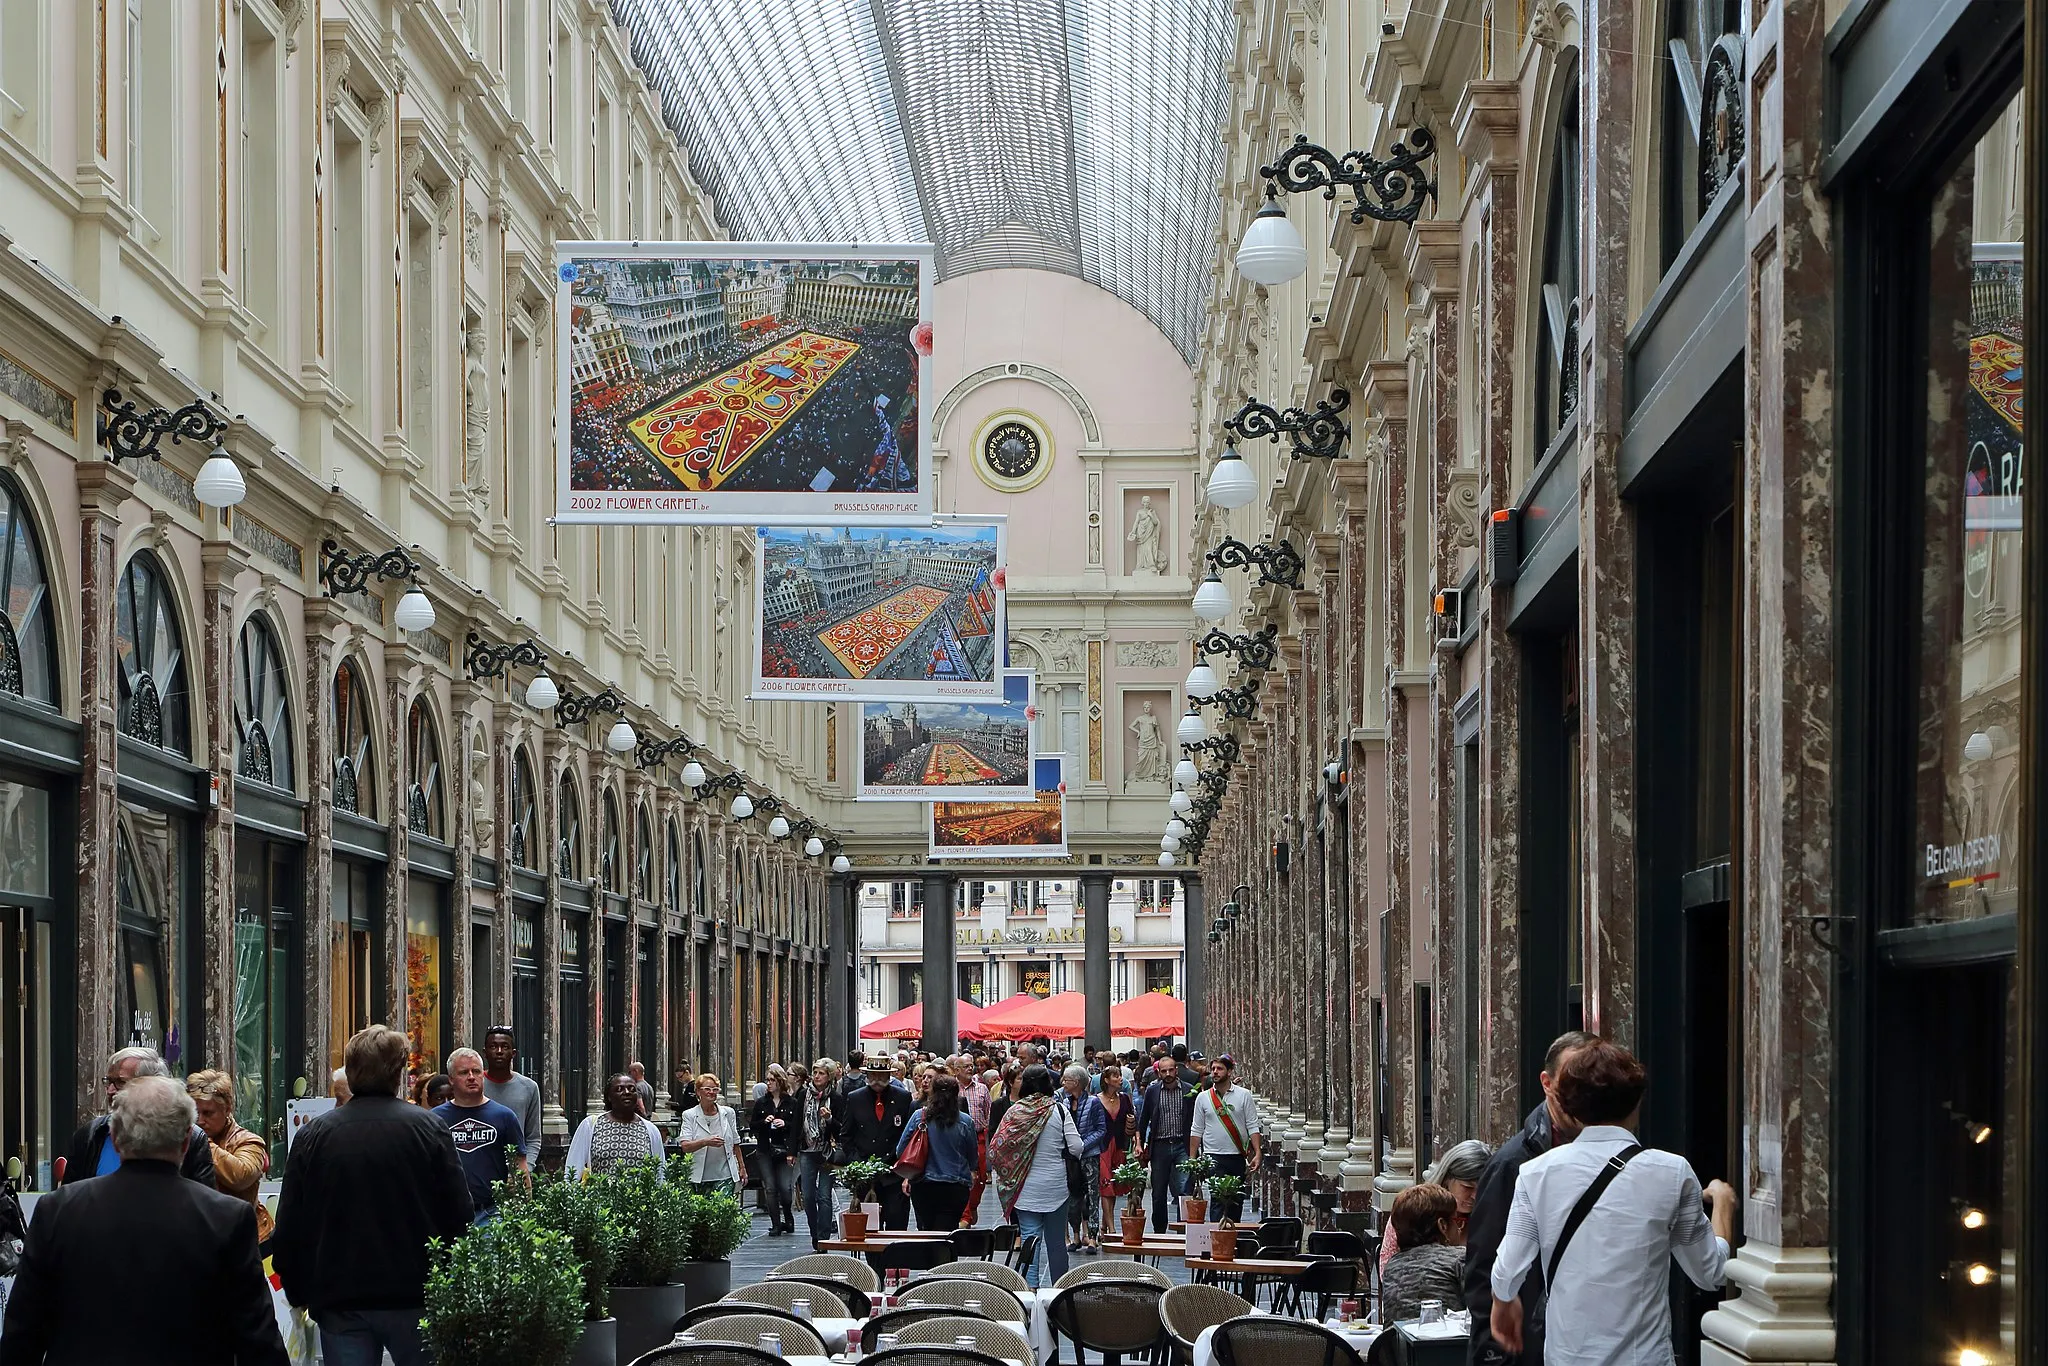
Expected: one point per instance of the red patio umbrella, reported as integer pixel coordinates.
(908, 1023)
(1056, 1017)
(1149, 1016)
(996, 1012)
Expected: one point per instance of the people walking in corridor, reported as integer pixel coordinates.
(1119, 1136)
(240, 1159)
(1028, 1156)
(142, 1268)
(1546, 1127)
(777, 1120)
(367, 1187)
(1092, 1123)
(711, 1135)
(616, 1136)
(92, 1155)
(514, 1090)
(814, 1163)
(1163, 1140)
(487, 1135)
(871, 1122)
(1607, 1216)
(1226, 1126)
(939, 1195)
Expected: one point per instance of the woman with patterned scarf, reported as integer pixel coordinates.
(1029, 1156)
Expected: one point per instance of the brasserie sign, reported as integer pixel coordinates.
(1030, 934)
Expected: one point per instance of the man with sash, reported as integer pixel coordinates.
(1226, 1125)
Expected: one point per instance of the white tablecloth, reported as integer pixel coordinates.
(1359, 1338)
(836, 1332)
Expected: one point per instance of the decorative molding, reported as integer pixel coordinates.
(1147, 654)
(1462, 508)
(290, 14)
(268, 543)
(171, 483)
(334, 67)
(989, 374)
(38, 395)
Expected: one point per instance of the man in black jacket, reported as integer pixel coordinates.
(871, 1120)
(1546, 1127)
(92, 1155)
(365, 1187)
(143, 1267)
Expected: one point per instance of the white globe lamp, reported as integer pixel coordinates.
(841, 864)
(742, 807)
(1231, 481)
(1176, 827)
(778, 828)
(621, 737)
(1179, 802)
(814, 846)
(1202, 682)
(219, 483)
(1978, 747)
(693, 774)
(1166, 860)
(542, 694)
(1170, 843)
(415, 611)
(1191, 731)
(1271, 251)
(1212, 599)
(1186, 774)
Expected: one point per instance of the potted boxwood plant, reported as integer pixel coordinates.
(1194, 1206)
(1225, 1192)
(717, 1225)
(1128, 1179)
(508, 1290)
(578, 1211)
(646, 1295)
(859, 1178)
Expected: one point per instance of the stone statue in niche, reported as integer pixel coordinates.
(1146, 536)
(721, 626)
(480, 785)
(1150, 765)
(476, 411)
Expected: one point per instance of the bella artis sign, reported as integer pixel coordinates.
(1025, 934)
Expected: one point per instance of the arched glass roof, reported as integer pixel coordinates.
(1073, 135)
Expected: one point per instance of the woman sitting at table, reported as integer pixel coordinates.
(1458, 1172)
(1431, 1262)
(940, 1195)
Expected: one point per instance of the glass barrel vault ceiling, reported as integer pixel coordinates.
(1071, 135)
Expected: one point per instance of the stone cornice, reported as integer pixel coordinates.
(1387, 383)
(1433, 251)
(1488, 123)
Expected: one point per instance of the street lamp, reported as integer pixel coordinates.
(1179, 802)
(346, 573)
(482, 660)
(1232, 483)
(841, 864)
(1319, 434)
(132, 433)
(1166, 859)
(1186, 774)
(693, 774)
(1202, 682)
(1212, 599)
(1271, 252)
(1191, 730)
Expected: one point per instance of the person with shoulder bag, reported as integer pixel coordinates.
(937, 1156)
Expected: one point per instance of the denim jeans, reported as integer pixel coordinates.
(778, 1189)
(814, 1173)
(1168, 1185)
(1050, 1227)
(361, 1337)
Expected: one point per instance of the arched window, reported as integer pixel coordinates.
(611, 862)
(569, 830)
(763, 912)
(1703, 132)
(423, 805)
(1557, 302)
(522, 842)
(263, 718)
(700, 891)
(739, 890)
(144, 991)
(673, 840)
(28, 644)
(355, 779)
(150, 659)
(643, 855)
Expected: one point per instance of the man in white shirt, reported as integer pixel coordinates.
(1225, 1125)
(1609, 1300)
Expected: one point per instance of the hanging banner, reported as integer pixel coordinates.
(897, 614)
(941, 751)
(742, 382)
(1033, 829)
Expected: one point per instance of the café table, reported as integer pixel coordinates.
(1248, 1270)
(1151, 1247)
(1359, 1335)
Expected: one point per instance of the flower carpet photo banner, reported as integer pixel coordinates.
(886, 614)
(1032, 829)
(936, 751)
(738, 382)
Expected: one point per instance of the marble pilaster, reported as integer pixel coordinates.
(553, 763)
(401, 678)
(220, 561)
(323, 624)
(461, 789)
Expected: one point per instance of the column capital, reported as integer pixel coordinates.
(1486, 124)
(1387, 385)
(103, 486)
(1433, 251)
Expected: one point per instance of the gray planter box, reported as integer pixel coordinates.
(646, 1316)
(599, 1345)
(708, 1282)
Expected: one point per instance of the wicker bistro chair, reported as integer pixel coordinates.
(1115, 1318)
(896, 1320)
(1187, 1309)
(707, 1354)
(995, 1272)
(1268, 1340)
(858, 1273)
(797, 1338)
(1113, 1269)
(932, 1355)
(997, 1339)
(853, 1301)
(783, 1295)
(955, 1292)
(694, 1320)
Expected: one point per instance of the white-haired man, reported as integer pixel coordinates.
(179, 1258)
(487, 1135)
(92, 1155)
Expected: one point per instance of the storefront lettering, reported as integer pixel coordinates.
(1952, 860)
(1025, 934)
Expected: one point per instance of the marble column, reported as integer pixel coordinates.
(461, 789)
(221, 562)
(1352, 485)
(1388, 452)
(1783, 1270)
(553, 762)
(1195, 986)
(323, 622)
(1318, 1024)
(1328, 969)
(941, 1028)
(400, 679)
(1095, 956)
(1487, 123)
(842, 992)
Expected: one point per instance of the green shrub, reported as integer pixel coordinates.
(718, 1225)
(860, 1177)
(654, 1217)
(578, 1211)
(506, 1291)
(1198, 1170)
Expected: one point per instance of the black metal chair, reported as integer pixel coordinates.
(707, 1354)
(973, 1242)
(1280, 1236)
(1327, 1281)
(1024, 1255)
(1114, 1318)
(932, 1355)
(1338, 1242)
(724, 1309)
(1006, 1237)
(896, 1320)
(921, 1255)
(1268, 1340)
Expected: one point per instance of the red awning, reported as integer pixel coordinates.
(1149, 1016)
(1008, 1005)
(1057, 1017)
(908, 1023)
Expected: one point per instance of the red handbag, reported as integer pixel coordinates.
(916, 1153)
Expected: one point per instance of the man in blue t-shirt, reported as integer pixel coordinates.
(487, 1134)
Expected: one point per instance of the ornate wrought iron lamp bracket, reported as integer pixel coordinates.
(484, 660)
(648, 753)
(131, 432)
(1317, 434)
(574, 708)
(1277, 561)
(346, 573)
(1253, 652)
(1389, 190)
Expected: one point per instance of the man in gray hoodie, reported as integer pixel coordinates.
(515, 1091)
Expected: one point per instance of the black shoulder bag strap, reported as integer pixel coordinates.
(1608, 1172)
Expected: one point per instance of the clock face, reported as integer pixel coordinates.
(1012, 451)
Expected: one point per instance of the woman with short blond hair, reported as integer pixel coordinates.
(240, 1158)
(711, 1131)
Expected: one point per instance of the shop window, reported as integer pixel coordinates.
(673, 891)
(149, 654)
(1035, 977)
(267, 995)
(24, 840)
(522, 845)
(149, 878)
(526, 991)
(28, 649)
(355, 957)
(355, 780)
(424, 803)
(643, 854)
(568, 829)
(1556, 377)
(909, 984)
(575, 1042)
(263, 718)
(647, 1002)
(700, 873)
(1159, 975)
(483, 978)
(611, 862)
(426, 1011)
(1703, 115)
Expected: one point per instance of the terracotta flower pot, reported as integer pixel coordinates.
(853, 1224)
(1223, 1244)
(1134, 1229)
(1194, 1210)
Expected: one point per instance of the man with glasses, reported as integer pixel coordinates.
(92, 1155)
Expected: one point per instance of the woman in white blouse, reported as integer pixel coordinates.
(712, 1132)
